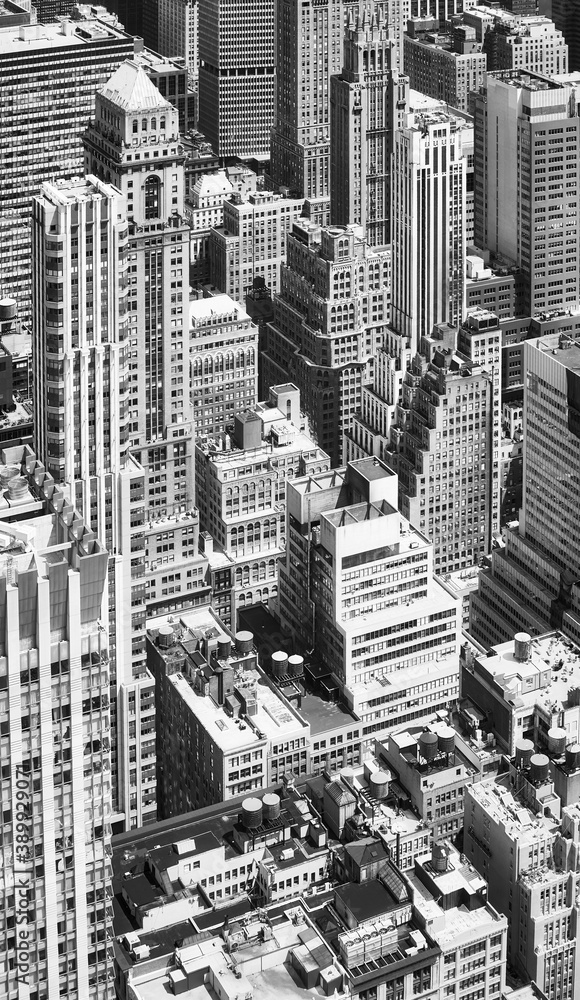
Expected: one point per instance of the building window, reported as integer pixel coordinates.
(152, 191)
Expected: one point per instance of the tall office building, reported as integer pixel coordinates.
(178, 33)
(48, 77)
(428, 238)
(527, 149)
(309, 39)
(134, 142)
(533, 583)
(236, 76)
(442, 438)
(445, 446)
(330, 319)
(367, 104)
(81, 347)
(55, 824)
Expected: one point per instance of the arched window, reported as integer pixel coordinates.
(135, 126)
(162, 124)
(152, 192)
(143, 124)
(154, 123)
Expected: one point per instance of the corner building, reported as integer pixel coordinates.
(357, 589)
(367, 104)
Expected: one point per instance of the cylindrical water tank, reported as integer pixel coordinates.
(379, 784)
(244, 642)
(270, 806)
(439, 855)
(165, 636)
(224, 648)
(524, 752)
(251, 813)
(428, 746)
(295, 665)
(17, 487)
(7, 310)
(8, 472)
(446, 740)
(557, 739)
(522, 646)
(573, 756)
(279, 663)
(539, 767)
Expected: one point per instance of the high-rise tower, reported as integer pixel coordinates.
(133, 141)
(309, 39)
(527, 150)
(428, 234)
(236, 76)
(330, 319)
(178, 33)
(81, 347)
(48, 76)
(55, 823)
(534, 582)
(367, 104)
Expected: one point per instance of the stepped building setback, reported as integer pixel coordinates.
(330, 320)
(357, 588)
(55, 742)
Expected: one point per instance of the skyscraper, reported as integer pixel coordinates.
(81, 394)
(178, 33)
(428, 237)
(330, 319)
(133, 141)
(54, 743)
(527, 149)
(309, 39)
(367, 104)
(236, 76)
(445, 446)
(48, 77)
(533, 583)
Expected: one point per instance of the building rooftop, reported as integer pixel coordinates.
(273, 718)
(544, 679)
(371, 898)
(520, 823)
(527, 79)
(215, 308)
(131, 89)
(457, 925)
(63, 34)
(157, 62)
(292, 441)
(565, 349)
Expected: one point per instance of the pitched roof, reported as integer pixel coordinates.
(132, 90)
